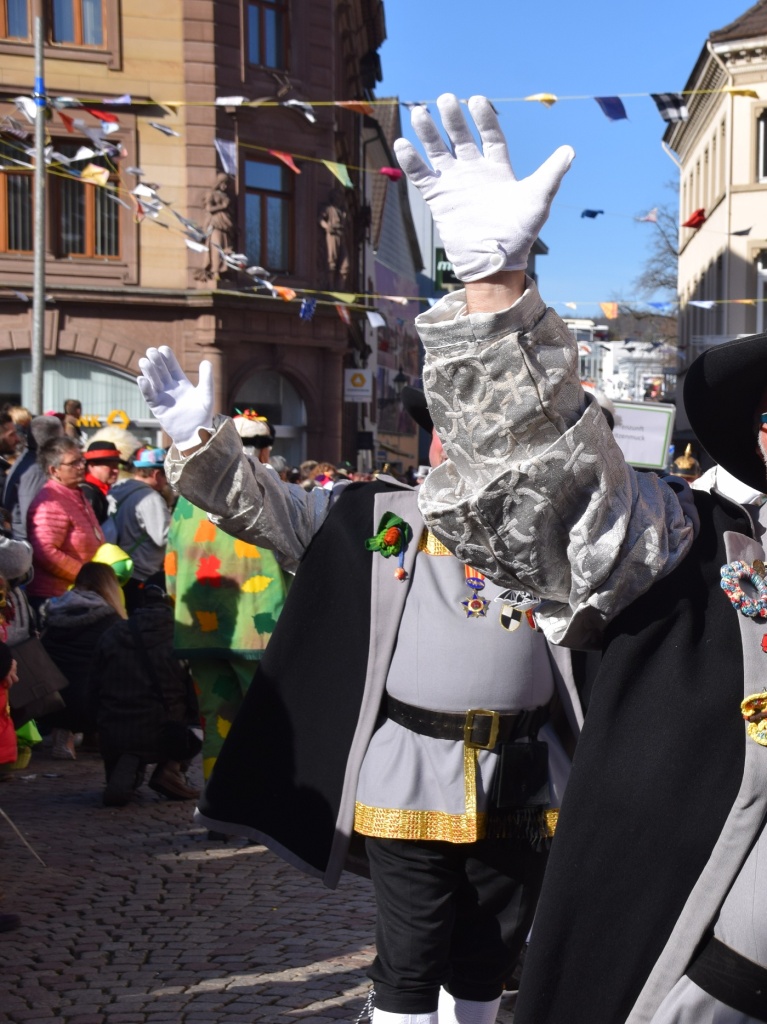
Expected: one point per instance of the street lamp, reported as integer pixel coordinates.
(399, 381)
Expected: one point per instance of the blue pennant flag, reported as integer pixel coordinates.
(612, 107)
(591, 213)
(308, 306)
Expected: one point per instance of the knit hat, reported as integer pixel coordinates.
(149, 458)
(102, 451)
(120, 561)
(6, 660)
(253, 429)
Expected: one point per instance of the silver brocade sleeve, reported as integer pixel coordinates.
(536, 493)
(245, 498)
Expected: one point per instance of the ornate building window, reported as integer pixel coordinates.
(761, 147)
(266, 33)
(268, 215)
(77, 22)
(87, 220)
(15, 203)
(14, 19)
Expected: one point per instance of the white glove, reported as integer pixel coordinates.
(487, 219)
(181, 408)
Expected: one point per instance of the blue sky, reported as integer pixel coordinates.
(503, 48)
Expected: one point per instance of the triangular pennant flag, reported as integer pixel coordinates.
(344, 296)
(571, 305)
(230, 101)
(584, 349)
(340, 171)
(164, 129)
(286, 294)
(120, 100)
(343, 312)
(67, 121)
(610, 310)
(411, 105)
(734, 90)
(649, 218)
(742, 233)
(286, 158)
(660, 305)
(102, 115)
(548, 99)
(696, 219)
(394, 173)
(744, 302)
(303, 108)
(671, 106)
(591, 213)
(702, 303)
(375, 319)
(400, 299)
(227, 154)
(116, 199)
(83, 153)
(94, 175)
(358, 106)
(10, 126)
(308, 308)
(612, 107)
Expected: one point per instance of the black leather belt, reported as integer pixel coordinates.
(731, 978)
(477, 727)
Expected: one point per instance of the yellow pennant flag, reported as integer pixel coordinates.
(340, 171)
(344, 296)
(744, 302)
(733, 90)
(610, 310)
(548, 99)
(94, 175)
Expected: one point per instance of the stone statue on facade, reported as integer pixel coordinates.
(219, 227)
(334, 218)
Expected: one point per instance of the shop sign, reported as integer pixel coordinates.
(118, 418)
(358, 385)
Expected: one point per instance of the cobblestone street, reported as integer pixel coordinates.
(139, 918)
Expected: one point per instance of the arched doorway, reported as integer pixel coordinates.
(271, 395)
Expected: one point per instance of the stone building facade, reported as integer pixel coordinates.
(169, 77)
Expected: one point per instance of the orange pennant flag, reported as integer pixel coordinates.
(358, 106)
(286, 294)
(610, 310)
(286, 158)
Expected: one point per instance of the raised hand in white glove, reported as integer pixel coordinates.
(487, 219)
(180, 407)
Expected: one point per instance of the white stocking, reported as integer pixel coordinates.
(466, 1011)
(385, 1017)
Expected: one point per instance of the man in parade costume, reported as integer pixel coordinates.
(453, 806)
(653, 908)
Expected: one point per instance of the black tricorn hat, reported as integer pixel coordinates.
(414, 402)
(722, 393)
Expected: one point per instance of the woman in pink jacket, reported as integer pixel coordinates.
(61, 526)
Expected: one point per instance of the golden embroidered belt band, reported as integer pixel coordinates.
(478, 728)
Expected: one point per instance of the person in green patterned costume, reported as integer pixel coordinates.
(228, 595)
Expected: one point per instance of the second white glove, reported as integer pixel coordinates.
(487, 219)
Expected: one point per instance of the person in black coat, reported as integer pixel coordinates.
(73, 625)
(144, 705)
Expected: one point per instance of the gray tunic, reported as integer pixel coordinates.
(447, 661)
